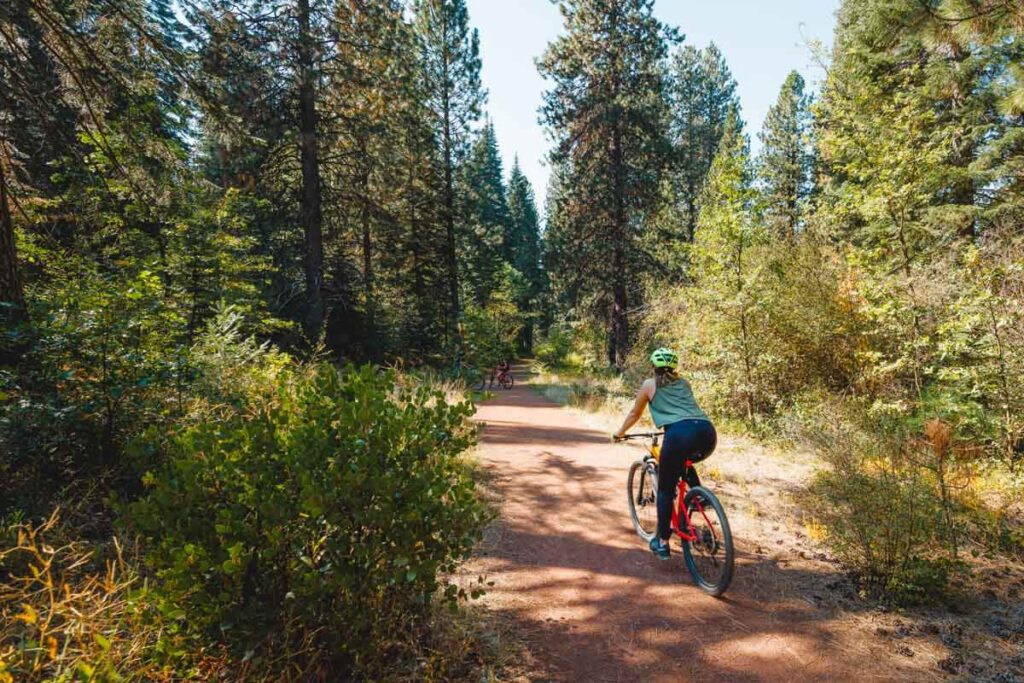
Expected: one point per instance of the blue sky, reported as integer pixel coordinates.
(762, 40)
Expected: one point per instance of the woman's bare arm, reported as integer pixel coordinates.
(643, 397)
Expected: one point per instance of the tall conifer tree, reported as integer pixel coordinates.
(785, 167)
(522, 246)
(607, 112)
(702, 95)
(451, 68)
(483, 239)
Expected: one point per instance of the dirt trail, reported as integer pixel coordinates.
(593, 603)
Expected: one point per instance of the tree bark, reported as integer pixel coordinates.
(12, 295)
(311, 212)
(368, 282)
(619, 318)
(449, 212)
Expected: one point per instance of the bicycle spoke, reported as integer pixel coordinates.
(643, 499)
(707, 551)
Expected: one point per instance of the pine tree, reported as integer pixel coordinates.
(915, 146)
(607, 113)
(262, 75)
(522, 247)
(949, 94)
(702, 95)
(451, 71)
(785, 167)
(311, 202)
(368, 93)
(563, 268)
(484, 237)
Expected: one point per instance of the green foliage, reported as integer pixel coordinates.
(523, 249)
(331, 510)
(883, 516)
(702, 95)
(494, 328)
(786, 165)
(484, 241)
(728, 253)
(556, 346)
(101, 366)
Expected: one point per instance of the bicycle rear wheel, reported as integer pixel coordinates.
(642, 489)
(710, 558)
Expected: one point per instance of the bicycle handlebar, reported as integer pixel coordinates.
(644, 435)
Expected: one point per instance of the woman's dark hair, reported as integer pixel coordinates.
(664, 376)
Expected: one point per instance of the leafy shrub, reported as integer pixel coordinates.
(883, 515)
(329, 514)
(494, 328)
(554, 349)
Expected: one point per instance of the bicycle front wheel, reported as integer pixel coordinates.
(478, 381)
(509, 382)
(710, 557)
(642, 489)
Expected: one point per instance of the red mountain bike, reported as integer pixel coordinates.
(698, 519)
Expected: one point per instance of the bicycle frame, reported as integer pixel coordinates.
(679, 511)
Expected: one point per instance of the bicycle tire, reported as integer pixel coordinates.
(478, 382)
(644, 475)
(509, 382)
(720, 584)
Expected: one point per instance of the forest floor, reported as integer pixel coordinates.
(591, 603)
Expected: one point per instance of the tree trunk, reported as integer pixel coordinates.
(449, 225)
(311, 209)
(620, 320)
(12, 296)
(368, 283)
(963, 190)
(691, 210)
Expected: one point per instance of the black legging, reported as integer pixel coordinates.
(684, 440)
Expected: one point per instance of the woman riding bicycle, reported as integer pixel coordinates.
(689, 435)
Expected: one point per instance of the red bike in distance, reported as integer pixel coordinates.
(503, 376)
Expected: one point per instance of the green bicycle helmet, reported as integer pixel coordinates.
(664, 358)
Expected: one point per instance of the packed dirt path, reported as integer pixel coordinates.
(594, 605)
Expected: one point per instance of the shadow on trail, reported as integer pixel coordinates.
(637, 617)
(518, 433)
(594, 605)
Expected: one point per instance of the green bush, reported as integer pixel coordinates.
(554, 349)
(882, 514)
(493, 329)
(881, 523)
(325, 517)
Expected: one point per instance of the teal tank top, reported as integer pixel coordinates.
(675, 402)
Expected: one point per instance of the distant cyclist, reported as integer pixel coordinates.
(689, 435)
(500, 372)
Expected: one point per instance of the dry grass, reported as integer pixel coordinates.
(66, 615)
(63, 615)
